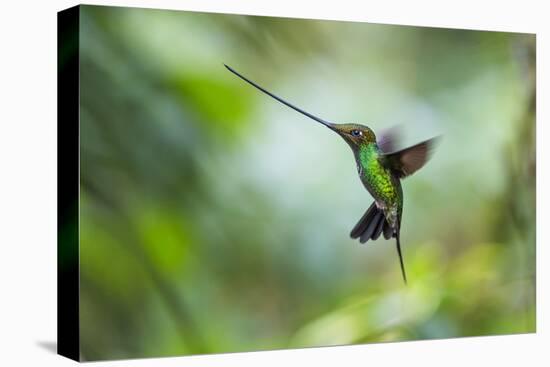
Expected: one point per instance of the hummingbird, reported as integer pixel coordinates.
(381, 167)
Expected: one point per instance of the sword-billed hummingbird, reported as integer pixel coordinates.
(380, 168)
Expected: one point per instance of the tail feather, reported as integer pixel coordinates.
(379, 228)
(371, 225)
(398, 244)
(361, 226)
(388, 231)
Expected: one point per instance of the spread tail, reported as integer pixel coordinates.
(371, 225)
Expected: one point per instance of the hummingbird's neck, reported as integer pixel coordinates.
(366, 153)
(367, 148)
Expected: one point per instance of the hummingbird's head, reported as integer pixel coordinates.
(354, 134)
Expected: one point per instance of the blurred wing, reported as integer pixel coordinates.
(407, 161)
(387, 141)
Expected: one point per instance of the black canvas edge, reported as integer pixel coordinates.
(68, 315)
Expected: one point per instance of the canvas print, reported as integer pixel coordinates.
(233, 183)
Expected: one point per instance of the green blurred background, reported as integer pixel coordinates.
(214, 219)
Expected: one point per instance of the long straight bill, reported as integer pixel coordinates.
(326, 123)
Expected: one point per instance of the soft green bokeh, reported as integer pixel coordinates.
(214, 219)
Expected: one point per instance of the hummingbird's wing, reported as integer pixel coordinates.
(388, 140)
(407, 161)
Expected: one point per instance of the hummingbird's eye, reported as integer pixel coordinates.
(356, 132)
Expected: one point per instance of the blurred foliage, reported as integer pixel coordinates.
(214, 219)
